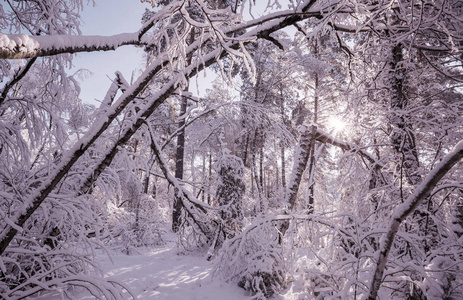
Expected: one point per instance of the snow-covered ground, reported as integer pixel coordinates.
(162, 273)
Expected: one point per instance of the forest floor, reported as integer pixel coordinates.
(163, 273)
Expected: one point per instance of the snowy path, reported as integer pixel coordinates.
(163, 274)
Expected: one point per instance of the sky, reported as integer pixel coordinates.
(109, 17)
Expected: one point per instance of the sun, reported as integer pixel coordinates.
(336, 124)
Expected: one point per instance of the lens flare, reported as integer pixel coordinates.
(336, 124)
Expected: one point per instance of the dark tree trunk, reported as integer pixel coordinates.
(261, 178)
(180, 153)
(403, 141)
(282, 145)
(179, 157)
(203, 186)
(283, 167)
(403, 136)
(245, 148)
(210, 179)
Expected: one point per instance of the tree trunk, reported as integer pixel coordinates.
(262, 179)
(403, 136)
(203, 188)
(403, 141)
(193, 172)
(180, 153)
(283, 166)
(209, 179)
(282, 145)
(179, 156)
(256, 175)
(311, 183)
(156, 200)
(245, 148)
(277, 169)
(301, 157)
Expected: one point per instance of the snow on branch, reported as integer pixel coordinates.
(17, 46)
(70, 157)
(221, 25)
(16, 78)
(405, 209)
(324, 137)
(196, 210)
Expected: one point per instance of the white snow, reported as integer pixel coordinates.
(162, 273)
(22, 45)
(23, 41)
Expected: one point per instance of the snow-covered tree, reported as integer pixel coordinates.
(388, 211)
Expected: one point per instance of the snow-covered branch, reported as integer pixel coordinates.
(405, 209)
(17, 46)
(183, 194)
(324, 137)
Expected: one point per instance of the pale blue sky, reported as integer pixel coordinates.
(106, 18)
(110, 17)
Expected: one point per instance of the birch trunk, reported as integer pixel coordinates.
(301, 157)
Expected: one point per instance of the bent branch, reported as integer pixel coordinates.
(405, 209)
